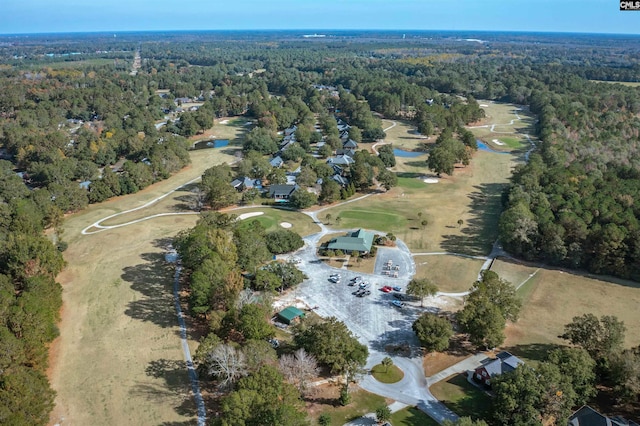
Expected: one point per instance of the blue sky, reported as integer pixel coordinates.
(37, 16)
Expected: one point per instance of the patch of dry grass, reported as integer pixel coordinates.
(452, 274)
(555, 297)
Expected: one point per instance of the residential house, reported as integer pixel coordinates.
(343, 181)
(348, 152)
(587, 416)
(350, 144)
(503, 363)
(290, 131)
(281, 193)
(360, 241)
(244, 182)
(341, 160)
(276, 161)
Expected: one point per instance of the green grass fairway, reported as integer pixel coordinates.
(391, 374)
(273, 217)
(462, 397)
(452, 274)
(375, 219)
(411, 416)
(514, 143)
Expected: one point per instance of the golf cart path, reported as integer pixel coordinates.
(382, 142)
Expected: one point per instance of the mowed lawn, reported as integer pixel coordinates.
(452, 274)
(462, 397)
(472, 195)
(553, 297)
(272, 217)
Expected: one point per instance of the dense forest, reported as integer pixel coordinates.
(77, 126)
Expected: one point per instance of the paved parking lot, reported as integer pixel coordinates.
(373, 319)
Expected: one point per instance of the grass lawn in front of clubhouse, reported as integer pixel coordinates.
(462, 397)
(384, 374)
(411, 416)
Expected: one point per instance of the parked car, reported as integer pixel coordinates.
(397, 288)
(386, 289)
(356, 279)
(364, 285)
(397, 303)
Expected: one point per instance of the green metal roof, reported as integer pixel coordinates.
(290, 313)
(360, 240)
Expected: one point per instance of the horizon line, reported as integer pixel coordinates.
(316, 29)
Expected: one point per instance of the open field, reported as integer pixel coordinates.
(118, 359)
(462, 397)
(82, 63)
(624, 83)
(452, 274)
(471, 194)
(554, 297)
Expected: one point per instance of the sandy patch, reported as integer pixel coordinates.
(224, 121)
(244, 216)
(285, 224)
(497, 141)
(430, 180)
(484, 105)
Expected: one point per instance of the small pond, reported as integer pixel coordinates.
(407, 154)
(217, 143)
(484, 147)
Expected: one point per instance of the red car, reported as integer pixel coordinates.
(386, 289)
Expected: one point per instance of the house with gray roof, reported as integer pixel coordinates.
(503, 363)
(341, 160)
(244, 182)
(587, 416)
(360, 241)
(276, 161)
(350, 144)
(281, 193)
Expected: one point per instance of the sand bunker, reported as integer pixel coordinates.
(244, 216)
(224, 121)
(484, 105)
(430, 180)
(285, 224)
(497, 141)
